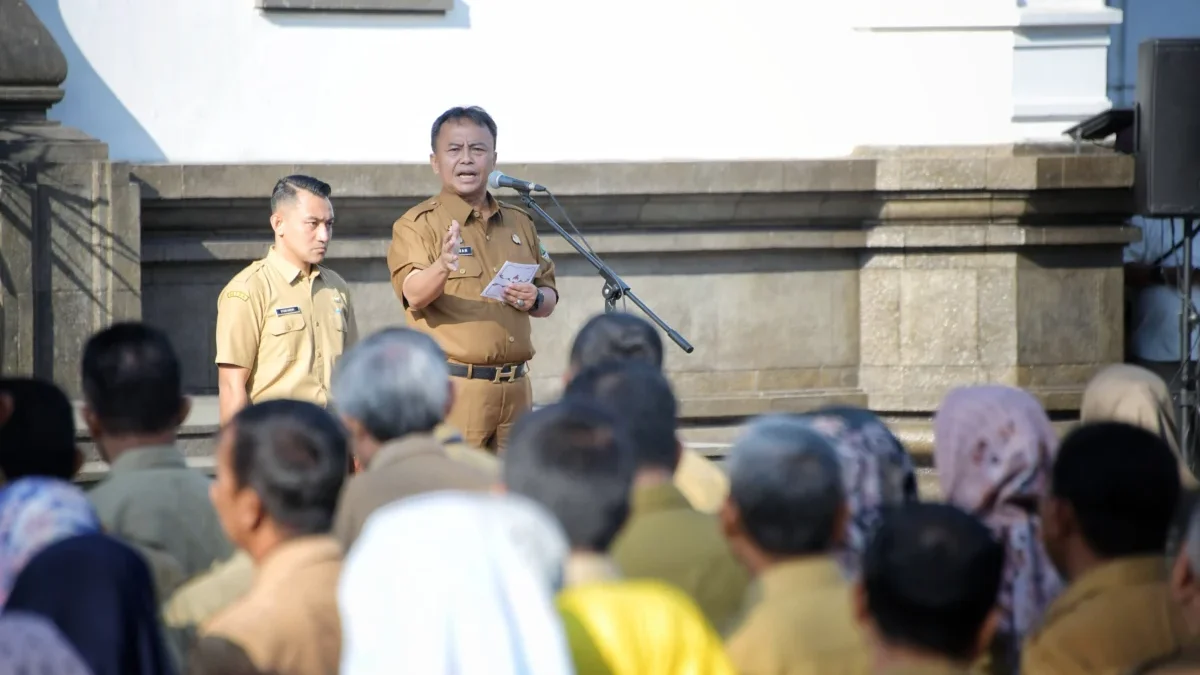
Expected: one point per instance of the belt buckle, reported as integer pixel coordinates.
(501, 377)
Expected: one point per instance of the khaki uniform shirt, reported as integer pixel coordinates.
(704, 484)
(288, 624)
(804, 624)
(151, 498)
(668, 540)
(405, 467)
(589, 568)
(470, 329)
(205, 595)
(288, 329)
(1110, 620)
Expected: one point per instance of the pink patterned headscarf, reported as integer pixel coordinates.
(993, 449)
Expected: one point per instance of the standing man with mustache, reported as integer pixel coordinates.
(283, 321)
(444, 252)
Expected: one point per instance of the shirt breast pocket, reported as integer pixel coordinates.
(286, 338)
(466, 281)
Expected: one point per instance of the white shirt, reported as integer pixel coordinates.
(1155, 321)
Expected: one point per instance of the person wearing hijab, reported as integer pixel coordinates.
(455, 583)
(99, 594)
(1134, 395)
(34, 513)
(994, 448)
(877, 473)
(31, 645)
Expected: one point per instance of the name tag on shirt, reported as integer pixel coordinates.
(464, 250)
(284, 311)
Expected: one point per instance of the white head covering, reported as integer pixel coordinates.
(454, 583)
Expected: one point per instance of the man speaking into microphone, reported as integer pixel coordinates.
(444, 252)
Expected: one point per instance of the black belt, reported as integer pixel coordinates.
(510, 373)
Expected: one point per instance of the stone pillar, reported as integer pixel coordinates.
(70, 245)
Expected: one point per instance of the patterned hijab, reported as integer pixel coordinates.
(876, 470)
(993, 448)
(34, 513)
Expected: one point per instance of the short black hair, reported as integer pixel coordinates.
(931, 573)
(616, 336)
(288, 187)
(132, 379)
(293, 455)
(641, 397)
(38, 439)
(573, 458)
(474, 114)
(1122, 483)
(786, 480)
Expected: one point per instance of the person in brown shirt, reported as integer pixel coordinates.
(444, 253)
(283, 321)
(664, 538)
(392, 391)
(1105, 517)
(280, 466)
(927, 592)
(785, 516)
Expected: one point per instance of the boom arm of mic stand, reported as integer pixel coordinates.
(615, 287)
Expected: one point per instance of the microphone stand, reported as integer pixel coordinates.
(1187, 366)
(615, 287)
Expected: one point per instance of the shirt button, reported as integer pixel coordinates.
(493, 269)
(511, 339)
(487, 237)
(476, 214)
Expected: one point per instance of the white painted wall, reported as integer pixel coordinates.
(219, 81)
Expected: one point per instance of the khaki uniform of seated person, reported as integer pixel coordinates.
(1105, 519)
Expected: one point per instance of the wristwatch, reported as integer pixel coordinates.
(538, 302)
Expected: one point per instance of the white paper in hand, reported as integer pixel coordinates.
(511, 273)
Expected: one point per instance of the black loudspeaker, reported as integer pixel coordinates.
(1167, 159)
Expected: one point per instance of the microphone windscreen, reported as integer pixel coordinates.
(494, 179)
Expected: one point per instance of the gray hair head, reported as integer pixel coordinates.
(394, 383)
(786, 481)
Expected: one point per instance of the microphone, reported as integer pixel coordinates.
(498, 180)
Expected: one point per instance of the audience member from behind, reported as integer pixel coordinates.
(98, 592)
(38, 438)
(993, 449)
(455, 582)
(785, 519)
(1134, 395)
(280, 466)
(1105, 520)
(928, 589)
(620, 337)
(134, 406)
(665, 537)
(34, 513)
(1185, 589)
(392, 391)
(877, 473)
(575, 460)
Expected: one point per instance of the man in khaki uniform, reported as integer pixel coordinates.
(445, 251)
(1105, 519)
(283, 321)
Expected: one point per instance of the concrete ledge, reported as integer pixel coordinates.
(855, 174)
(376, 6)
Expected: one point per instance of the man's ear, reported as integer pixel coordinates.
(92, 421)
(859, 605)
(277, 223)
(730, 518)
(840, 520)
(1183, 581)
(434, 165)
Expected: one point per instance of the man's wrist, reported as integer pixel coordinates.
(538, 301)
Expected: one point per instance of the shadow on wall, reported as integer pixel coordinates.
(458, 17)
(89, 104)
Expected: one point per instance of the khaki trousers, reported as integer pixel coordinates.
(484, 411)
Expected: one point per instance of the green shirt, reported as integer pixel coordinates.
(668, 540)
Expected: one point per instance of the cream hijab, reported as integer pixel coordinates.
(1133, 395)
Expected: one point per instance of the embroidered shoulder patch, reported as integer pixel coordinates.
(542, 250)
(239, 295)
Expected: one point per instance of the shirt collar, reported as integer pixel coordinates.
(1119, 573)
(289, 271)
(662, 497)
(782, 579)
(460, 210)
(150, 457)
(400, 449)
(587, 568)
(296, 554)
